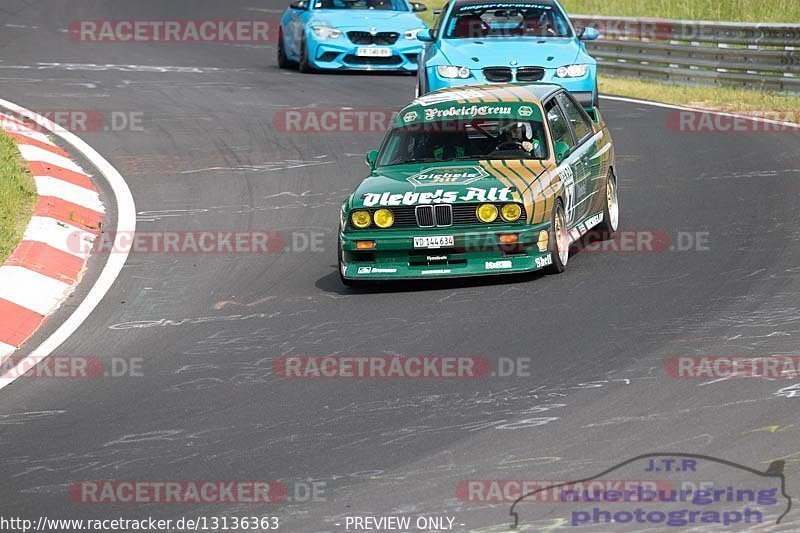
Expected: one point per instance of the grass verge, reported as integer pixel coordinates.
(717, 98)
(17, 196)
(717, 10)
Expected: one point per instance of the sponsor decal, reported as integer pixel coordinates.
(464, 94)
(437, 271)
(497, 265)
(567, 178)
(376, 270)
(436, 258)
(411, 116)
(439, 196)
(461, 175)
(525, 111)
(542, 262)
(467, 111)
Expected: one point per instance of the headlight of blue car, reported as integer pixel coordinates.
(453, 71)
(326, 32)
(572, 71)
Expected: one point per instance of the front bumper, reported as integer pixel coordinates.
(477, 252)
(583, 88)
(341, 53)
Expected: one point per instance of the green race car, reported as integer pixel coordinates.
(482, 180)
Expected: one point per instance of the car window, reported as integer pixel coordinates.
(506, 19)
(559, 128)
(450, 140)
(385, 5)
(579, 121)
(438, 24)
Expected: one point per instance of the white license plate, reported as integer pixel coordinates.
(374, 52)
(434, 241)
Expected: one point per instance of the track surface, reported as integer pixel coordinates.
(209, 407)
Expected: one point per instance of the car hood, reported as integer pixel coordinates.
(525, 51)
(366, 19)
(459, 182)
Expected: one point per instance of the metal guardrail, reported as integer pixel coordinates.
(762, 56)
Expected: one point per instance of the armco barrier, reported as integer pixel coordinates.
(764, 56)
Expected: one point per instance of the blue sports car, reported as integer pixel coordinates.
(351, 34)
(476, 42)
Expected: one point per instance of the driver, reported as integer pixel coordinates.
(517, 134)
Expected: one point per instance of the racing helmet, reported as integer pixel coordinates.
(523, 130)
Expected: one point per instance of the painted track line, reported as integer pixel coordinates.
(126, 222)
(700, 110)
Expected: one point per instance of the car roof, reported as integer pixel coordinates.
(479, 2)
(499, 92)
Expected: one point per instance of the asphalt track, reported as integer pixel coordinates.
(208, 405)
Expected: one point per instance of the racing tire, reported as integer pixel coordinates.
(304, 65)
(610, 222)
(558, 240)
(283, 60)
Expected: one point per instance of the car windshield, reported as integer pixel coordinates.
(475, 140)
(385, 5)
(511, 19)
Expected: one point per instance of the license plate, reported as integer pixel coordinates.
(374, 52)
(434, 241)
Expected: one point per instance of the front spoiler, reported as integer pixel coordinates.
(476, 253)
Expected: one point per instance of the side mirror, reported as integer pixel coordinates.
(418, 7)
(372, 159)
(588, 34)
(426, 36)
(302, 5)
(561, 149)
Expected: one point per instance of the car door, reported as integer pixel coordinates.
(564, 146)
(585, 166)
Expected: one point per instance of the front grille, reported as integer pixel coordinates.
(425, 216)
(530, 73)
(505, 74)
(422, 216)
(365, 37)
(444, 215)
(497, 74)
(386, 61)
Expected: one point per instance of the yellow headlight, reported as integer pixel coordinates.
(486, 213)
(361, 219)
(511, 212)
(383, 218)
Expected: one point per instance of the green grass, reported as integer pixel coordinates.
(17, 196)
(718, 98)
(717, 10)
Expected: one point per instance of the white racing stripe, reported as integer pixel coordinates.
(31, 290)
(5, 350)
(126, 223)
(34, 153)
(49, 186)
(709, 111)
(59, 235)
